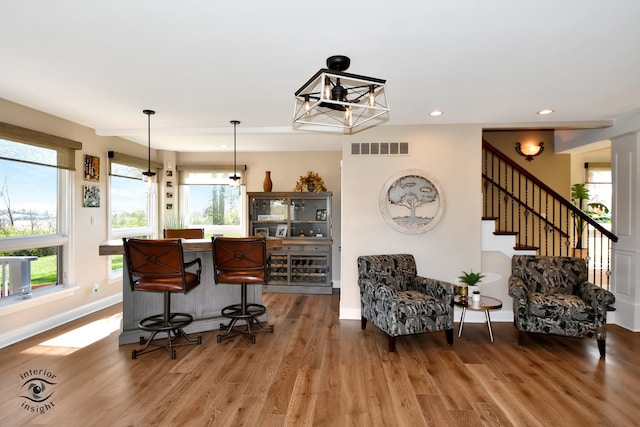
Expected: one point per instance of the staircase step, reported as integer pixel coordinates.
(525, 248)
(505, 233)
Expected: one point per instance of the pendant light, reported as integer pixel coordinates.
(148, 175)
(235, 178)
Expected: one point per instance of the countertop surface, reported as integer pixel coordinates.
(114, 247)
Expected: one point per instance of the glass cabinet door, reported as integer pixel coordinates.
(269, 217)
(309, 218)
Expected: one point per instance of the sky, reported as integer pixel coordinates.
(29, 186)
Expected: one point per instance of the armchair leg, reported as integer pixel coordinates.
(522, 336)
(363, 322)
(602, 348)
(392, 344)
(449, 334)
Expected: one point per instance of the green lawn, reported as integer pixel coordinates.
(44, 270)
(116, 262)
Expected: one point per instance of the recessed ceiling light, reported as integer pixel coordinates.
(545, 112)
(436, 113)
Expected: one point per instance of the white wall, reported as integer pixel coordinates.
(450, 154)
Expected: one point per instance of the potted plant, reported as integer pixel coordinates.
(472, 280)
(597, 211)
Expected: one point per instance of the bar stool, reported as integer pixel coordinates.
(241, 261)
(159, 266)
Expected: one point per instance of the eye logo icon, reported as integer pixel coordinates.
(37, 388)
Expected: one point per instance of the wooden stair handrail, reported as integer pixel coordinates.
(562, 200)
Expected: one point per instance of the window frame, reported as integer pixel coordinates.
(183, 180)
(65, 166)
(151, 230)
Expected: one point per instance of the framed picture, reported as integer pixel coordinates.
(90, 196)
(169, 184)
(321, 215)
(261, 231)
(169, 173)
(281, 230)
(91, 168)
(169, 205)
(169, 195)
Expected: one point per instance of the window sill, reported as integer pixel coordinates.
(39, 297)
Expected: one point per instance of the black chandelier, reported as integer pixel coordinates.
(148, 175)
(335, 98)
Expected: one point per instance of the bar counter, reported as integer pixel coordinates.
(204, 303)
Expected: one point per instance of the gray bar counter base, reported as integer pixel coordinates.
(204, 303)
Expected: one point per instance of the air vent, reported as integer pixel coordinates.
(379, 148)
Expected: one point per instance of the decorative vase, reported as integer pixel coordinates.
(475, 297)
(267, 184)
(463, 291)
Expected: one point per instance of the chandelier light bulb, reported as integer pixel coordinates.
(347, 115)
(307, 105)
(327, 88)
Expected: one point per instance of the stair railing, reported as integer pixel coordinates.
(540, 218)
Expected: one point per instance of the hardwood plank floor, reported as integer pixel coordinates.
(318, 370)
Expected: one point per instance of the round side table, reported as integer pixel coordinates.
(485, 304)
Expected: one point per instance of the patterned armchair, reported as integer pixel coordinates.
(551, 295)
(399, 302)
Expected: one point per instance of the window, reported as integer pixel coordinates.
(132, 201)
(599, 184)
(208, 201)
(35, 212)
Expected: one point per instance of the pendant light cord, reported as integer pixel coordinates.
(148, 173)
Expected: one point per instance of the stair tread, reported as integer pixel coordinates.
(525, 248)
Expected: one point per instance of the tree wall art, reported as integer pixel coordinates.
(411, 202)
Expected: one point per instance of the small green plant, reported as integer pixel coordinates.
(471, 278)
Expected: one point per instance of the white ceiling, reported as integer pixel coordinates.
(202, 63)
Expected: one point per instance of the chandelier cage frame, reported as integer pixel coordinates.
(351, 100)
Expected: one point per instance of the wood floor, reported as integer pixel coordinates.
(318, 370)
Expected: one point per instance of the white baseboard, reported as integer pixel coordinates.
(27, 331)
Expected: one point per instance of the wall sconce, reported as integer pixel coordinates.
(529, 150)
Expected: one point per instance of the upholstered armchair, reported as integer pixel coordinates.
(551, 295)
(399, 302)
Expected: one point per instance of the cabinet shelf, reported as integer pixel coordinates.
(303, 263)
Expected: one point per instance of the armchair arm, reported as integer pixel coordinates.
(598, 298)
(518, 290)
(378, 291)
(191, 263)
(436, 288)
